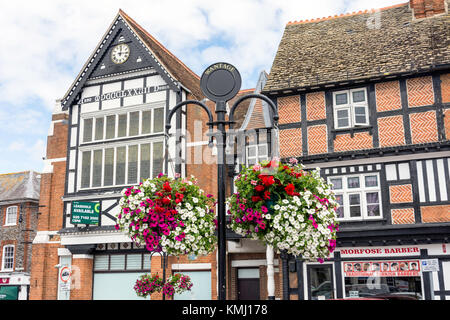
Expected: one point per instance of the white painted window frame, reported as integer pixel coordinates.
(4, 251)
(104, 114)
(116, 145)
(362, 190)
(257, 157)
(351, 107)
(8, 214)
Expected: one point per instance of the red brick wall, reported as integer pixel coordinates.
(5, 243)
(361, 140)
(401, 193)
(388, 96)
(44, 276)
(445, 87)
(420, 91)
(317, 139)
(423, 127)
(426, 8)
(402, 216)
(447, 123)
(391, 131)
(435, 213)
(315, 106)
(82, 268)
(290, 142)
(289, 109)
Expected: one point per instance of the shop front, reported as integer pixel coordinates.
(14, 286)
(391, 272)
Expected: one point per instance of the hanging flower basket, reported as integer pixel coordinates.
(148, 284)
(285, 207)
(170, 215)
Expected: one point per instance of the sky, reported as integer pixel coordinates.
(45, 44)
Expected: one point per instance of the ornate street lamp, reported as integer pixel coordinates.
(220, 82)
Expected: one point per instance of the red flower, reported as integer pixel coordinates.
(166, 200)
(266, 195)
(290, 189)
(166, 186)
(267, 180)
(259, 188)
(256, 198)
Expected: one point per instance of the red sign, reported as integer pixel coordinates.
(64, 274)
(381, 251)
(410, 268)
(4, 280)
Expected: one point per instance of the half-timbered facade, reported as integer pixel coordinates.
(108, 132)
(365, 97)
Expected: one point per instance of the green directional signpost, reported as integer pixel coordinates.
(85, 213)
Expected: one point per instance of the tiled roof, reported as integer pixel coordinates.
(20, 185)
(241, 110)
(177, 68)
(360, 45)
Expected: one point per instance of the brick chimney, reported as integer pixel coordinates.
(427, 8)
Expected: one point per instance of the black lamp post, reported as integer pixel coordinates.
(220, 82)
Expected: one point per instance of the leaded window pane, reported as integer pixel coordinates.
(145, 161)
(132, 164)
(86, 169)
(353, 182)
(87, 130)
(371, 181)
(110, 127)
(99, 128)
(360, 115)
(109, 167)
(340, 209)
(158, 120)
(157, 158)
(358, 96)
(120, 165)
(337, 183)
(146, 121)
(97, 170)
(341, 98)
(122, 130)
(134, 123)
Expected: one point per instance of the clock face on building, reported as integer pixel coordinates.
(120, 53)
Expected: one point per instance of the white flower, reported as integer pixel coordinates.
(195, 200)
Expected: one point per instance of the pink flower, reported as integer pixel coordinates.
(320, 260)
(293, 161)
(254, 182)
(314, 223)
(264, 209)
(256, 167)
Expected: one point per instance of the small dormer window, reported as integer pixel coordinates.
(350, 108)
